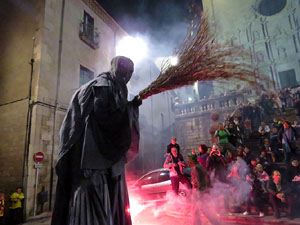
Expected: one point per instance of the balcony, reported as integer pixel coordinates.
(89, 35)
(204, 106)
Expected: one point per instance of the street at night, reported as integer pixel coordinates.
(146, 112)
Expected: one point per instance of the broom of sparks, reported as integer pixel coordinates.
(201, 58)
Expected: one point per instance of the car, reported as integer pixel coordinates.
(154, 185)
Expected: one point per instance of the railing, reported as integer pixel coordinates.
(221, 103)
(88, 35)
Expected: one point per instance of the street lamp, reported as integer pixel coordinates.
(174, 60)
(133, 48)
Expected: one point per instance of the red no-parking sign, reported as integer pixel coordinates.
(39, 157)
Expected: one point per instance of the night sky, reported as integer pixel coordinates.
(162, 22)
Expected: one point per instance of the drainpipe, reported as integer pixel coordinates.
(56, 101)
(28, 126)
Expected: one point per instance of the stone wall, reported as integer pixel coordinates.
(20, 40)
(12, 139)
(193, 120)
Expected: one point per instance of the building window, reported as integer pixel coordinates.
(288, 78)
(88, 32)
(85, 75)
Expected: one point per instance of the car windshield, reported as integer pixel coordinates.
(163, 176)
(155, 177)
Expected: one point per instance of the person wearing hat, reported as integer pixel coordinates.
(173, 144)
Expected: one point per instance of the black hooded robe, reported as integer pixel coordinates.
(99, 134)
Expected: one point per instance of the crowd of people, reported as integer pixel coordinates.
(13, 214)
(267, 147)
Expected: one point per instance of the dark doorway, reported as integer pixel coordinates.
(205, 89)
(288, 78)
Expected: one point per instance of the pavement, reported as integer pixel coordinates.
(41, 219)
(150, 216)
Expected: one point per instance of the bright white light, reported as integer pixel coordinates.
(190, 99)
(133, 48)
(174, 60)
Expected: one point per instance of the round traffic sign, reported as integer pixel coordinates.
(38, 157)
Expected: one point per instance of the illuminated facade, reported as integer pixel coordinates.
(269, 29)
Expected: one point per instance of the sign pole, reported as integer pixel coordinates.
(38, 158)
(35, 189)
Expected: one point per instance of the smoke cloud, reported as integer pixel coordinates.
(197, 208)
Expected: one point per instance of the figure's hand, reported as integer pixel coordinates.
(137, 101)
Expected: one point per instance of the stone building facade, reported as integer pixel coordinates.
(269, 29)
(48, 49)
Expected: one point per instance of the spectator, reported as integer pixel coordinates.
(229, 158)
(265, 160)
(246, 155)
(201, 182)
(275, 144)
(267, 146)
(262, 176)
(277, 103)
(296, 126)
(276, 123)
(293, 176)
(193, 152)
(199, 175)
(216, 164)
(283, 99)
(226, 124)
(297, 107)
(255, 196)
(239, 127)
(287, 135)
(42, 198)
(262, 136)
(279, 194)
(264, 127)
(289, 98)
(269, 151)
(253, 164)
(2, 209)
(203, 155)
(175, 163)
(173, 144)
(16, 212)
(256, 115)
(293, 171)
(240, 150)
(248, 128)
(222, 134)
(234, 134)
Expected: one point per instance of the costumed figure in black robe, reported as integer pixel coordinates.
(99, 134)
